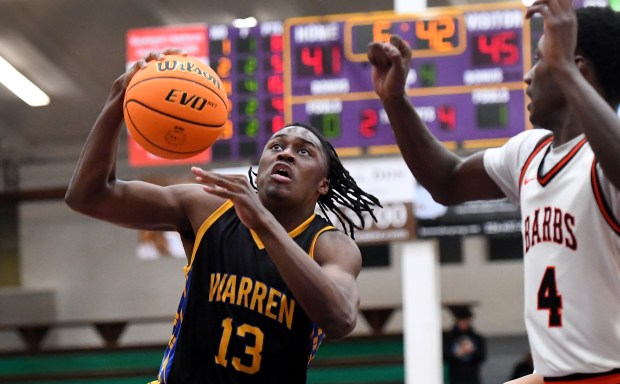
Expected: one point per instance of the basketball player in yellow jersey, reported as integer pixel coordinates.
(266, 278)
(565, 176)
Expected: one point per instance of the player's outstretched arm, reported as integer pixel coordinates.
(447, 177)
(94, 189)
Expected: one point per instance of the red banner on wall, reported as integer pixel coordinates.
(191, 38)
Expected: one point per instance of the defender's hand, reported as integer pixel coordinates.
(390, 66)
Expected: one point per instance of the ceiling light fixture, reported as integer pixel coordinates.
(21, 86)
(248, 22)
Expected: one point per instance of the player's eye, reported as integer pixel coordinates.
(277, 146)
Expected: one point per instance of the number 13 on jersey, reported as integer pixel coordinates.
(253, 348)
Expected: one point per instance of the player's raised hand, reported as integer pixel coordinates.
(560, 30)
(390, 66)
(236, 188)
(126, 77)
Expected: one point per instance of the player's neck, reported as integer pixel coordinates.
(291, 217)
(567, 130)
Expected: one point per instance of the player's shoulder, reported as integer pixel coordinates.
(336, 242)
(334, 248)
(519, 147)
(330, 233)
(530, 137)
(192, 193)
(197, 203)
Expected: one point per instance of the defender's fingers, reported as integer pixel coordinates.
(401, 45)
(393, 53)
(541, 9)
(377, 56)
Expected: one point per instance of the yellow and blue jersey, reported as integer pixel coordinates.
(237, 321)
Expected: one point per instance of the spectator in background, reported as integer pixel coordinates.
(464, 350)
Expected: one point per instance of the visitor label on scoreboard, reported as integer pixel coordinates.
(466, 77)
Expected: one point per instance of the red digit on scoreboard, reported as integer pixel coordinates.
(368, 122)
(446, 114)
(276, 63)
(335, 60)
(275, 84)
(501, 48)
(277, 123)
(313, 58)
(319, 61)
(277, 103)
(275, 43)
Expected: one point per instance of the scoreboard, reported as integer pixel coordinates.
(466, 77)
(465, 80)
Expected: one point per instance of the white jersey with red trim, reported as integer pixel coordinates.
(571, 237)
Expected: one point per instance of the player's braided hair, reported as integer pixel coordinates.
(343, 190)
(598, 40)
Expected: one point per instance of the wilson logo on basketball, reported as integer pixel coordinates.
(173, 65)
(192, 101)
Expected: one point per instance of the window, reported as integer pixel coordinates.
(450, 250)
(506, 247)
(374, 256)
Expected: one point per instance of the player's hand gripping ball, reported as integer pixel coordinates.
(176, 107)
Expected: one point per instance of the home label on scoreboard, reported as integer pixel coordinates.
(466, 76)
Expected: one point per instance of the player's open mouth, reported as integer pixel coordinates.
(281, 172)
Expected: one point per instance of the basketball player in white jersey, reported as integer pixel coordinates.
(565, 176)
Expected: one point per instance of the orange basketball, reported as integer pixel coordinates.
(175, 108)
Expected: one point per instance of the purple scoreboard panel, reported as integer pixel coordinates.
(466, 77)
(249, 61)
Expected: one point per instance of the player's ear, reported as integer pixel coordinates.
(586, 68)
(588, 71)
(582, 64)
(323, 186)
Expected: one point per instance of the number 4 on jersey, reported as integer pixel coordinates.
(549, 299)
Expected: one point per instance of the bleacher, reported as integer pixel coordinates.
(376, 358)
(352, 360)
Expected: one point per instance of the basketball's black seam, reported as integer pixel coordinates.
(180, 78)
(171, 116)
(158, 146)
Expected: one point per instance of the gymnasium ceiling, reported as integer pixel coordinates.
(74, 49)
